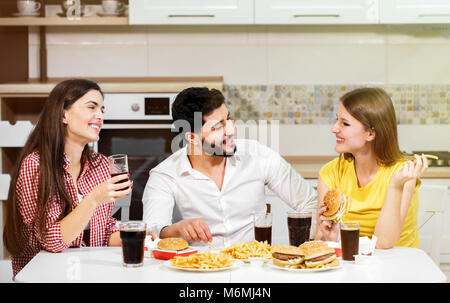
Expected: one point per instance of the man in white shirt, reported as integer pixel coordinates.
(215, 183)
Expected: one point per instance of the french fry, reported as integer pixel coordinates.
(245, 250)
(206, 260)
(431, 157)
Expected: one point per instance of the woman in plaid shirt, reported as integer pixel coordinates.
(59, 186)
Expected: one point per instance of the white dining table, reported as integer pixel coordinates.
(104, 264)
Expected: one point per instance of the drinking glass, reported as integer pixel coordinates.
(349, 240)
(299, 226)
(263, 227)
(132, 234)
(118, 164)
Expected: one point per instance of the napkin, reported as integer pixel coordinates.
(150, 244)
(367, 246)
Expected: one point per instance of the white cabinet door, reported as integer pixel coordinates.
(191, 11)
(426, 230)
(414, 11)
(316, 11)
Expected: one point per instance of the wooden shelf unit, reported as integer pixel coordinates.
(63, 21)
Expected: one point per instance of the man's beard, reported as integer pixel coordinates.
(212, 149)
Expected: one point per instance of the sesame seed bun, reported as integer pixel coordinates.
(173, 244)
(338, 205)
(332, 200)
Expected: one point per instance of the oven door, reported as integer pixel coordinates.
(146, 145)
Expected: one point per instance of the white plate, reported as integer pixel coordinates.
(253, 260)
(36, 14)
(235, 265)
(303, 270)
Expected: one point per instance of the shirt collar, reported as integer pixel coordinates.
(66, 164)
(184, 165)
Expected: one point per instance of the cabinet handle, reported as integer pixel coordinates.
(318, 15)
(191, 16)
(433, 15)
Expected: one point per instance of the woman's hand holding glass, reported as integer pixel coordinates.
(112, 189)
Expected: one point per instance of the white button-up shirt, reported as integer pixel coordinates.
(175, 189)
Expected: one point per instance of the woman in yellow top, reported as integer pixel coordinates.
(380, 180)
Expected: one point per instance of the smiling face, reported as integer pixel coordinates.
(218, 133)
(351, 135)
(84, 118)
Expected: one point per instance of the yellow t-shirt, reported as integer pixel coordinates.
(367, 201)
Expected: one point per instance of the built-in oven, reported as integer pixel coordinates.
(139, 125)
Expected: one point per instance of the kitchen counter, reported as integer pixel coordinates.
(116, 85)
(309, 166)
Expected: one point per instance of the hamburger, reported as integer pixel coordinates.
(173, 244)
(338, 205)
(288, 256)
(319, 254)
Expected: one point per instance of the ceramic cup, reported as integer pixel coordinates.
(28, 6)
(112, 6)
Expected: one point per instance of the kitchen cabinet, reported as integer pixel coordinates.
(414, 11)
(316, 12)
(19, 114)
(191, 12)
(258, 12)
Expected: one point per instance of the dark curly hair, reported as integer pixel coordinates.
(196, 99)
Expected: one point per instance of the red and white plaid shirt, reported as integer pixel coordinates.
(102, 225)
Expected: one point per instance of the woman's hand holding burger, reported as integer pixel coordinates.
(329, 229)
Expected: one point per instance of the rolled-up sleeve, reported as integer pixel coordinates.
(158, 201)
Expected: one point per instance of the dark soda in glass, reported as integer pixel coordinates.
(132, 236)
(263, 234)
(299, 226)
(349, 241)
(121, 181)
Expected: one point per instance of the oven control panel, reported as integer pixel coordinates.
(138, 106)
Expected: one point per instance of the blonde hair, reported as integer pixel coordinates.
(374, 109)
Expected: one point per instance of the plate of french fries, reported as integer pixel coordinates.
(246, 251)
(203, 262)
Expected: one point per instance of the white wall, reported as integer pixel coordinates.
(263, 55)
(368, 54)
(318, 140)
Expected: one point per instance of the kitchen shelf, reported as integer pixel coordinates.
(115, 85)
(5, 179)
(14, 135)
(62, 21)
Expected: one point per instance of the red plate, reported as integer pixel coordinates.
(163, 254)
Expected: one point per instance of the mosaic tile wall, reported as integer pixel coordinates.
(317, 104)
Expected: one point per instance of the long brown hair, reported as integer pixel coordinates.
(374, 109)
(47, 138)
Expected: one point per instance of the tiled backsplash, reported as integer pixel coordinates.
(317, 104)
